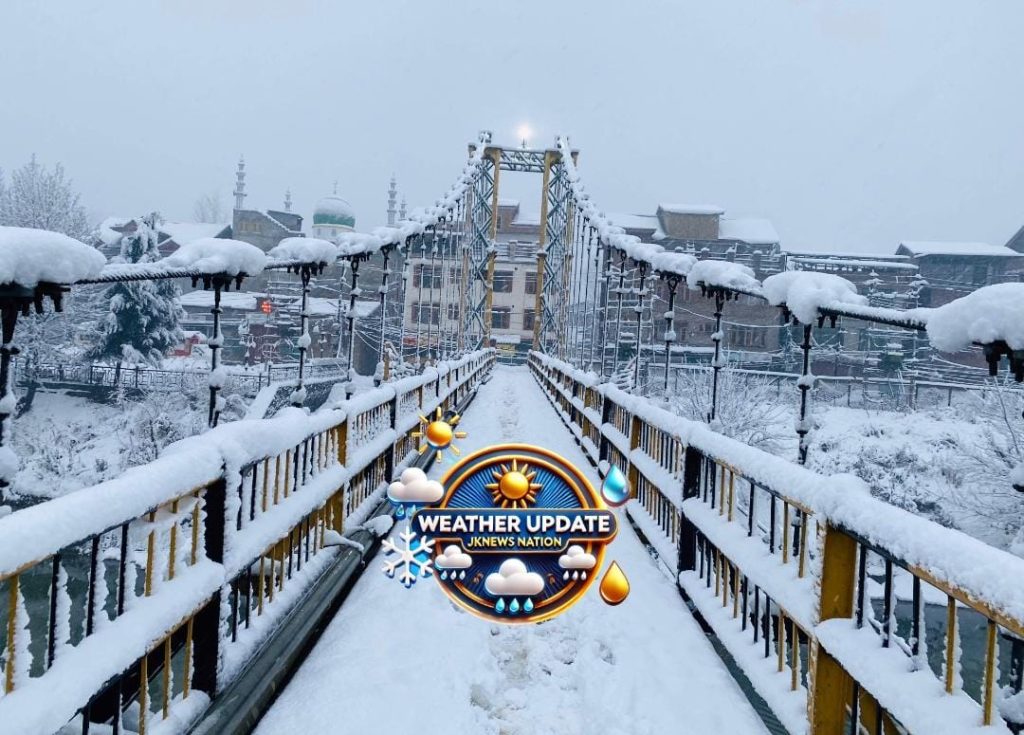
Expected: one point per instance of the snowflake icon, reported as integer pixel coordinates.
(413, 558)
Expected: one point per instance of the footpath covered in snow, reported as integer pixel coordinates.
(397, 660)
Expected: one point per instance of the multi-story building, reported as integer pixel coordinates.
(433, 292)
(955, 268)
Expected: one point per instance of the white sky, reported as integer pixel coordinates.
(852, 125)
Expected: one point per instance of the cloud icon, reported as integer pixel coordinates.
(576, 558)
(513, 579)
(414, 487)
(453, 558)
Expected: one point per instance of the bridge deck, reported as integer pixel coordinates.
(397, 660)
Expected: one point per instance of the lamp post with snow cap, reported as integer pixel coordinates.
(672, 280)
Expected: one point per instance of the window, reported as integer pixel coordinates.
(501, 317)
(980, 275)
(531, 282)
(454, 275)
(453, 312)
(427, 276)
(425, 313)
(528, 315)
(503, 281)
(744, 336)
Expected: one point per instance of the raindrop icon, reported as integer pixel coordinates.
(514, 607)
(499, 607)
(400, 511)
(462, 575)
(614, 585)
(575, 575)
(444, 575)
(565, 575)
(615, 488)
(528, 605)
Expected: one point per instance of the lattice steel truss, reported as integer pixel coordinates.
(554, 257)
(478, 254)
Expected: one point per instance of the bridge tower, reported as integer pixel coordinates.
(554, 258)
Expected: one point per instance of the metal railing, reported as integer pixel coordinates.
(134, 602)
(833, 603)
(863, 390)
(139, 377)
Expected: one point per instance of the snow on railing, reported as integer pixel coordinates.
(195, 546)
(217, 256)
(29, 257)
(304, 250)
(784, 557)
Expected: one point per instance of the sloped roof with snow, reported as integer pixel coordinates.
(752, 230)
(635, 221)
(691, 208)
(185, 232)
(955, 248)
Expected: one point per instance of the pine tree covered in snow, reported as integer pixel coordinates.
(144, 318)
(42, 199)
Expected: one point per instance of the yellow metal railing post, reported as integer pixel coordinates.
(830, 685)
(12, 632)
(634, 442)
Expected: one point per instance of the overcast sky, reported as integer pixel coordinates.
(852, 125)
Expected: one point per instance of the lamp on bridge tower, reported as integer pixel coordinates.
(524, 134)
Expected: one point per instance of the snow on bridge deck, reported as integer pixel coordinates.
(397, 660)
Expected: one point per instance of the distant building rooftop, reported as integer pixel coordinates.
(185, 232)
(752, 230)
(918, 249)
(691, 208)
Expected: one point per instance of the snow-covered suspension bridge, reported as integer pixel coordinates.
(766, 597)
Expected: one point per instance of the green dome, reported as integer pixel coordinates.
(333, 210)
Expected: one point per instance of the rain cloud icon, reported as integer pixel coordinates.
(512, 578)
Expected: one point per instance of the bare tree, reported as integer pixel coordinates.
(747, 407)
(208, 208)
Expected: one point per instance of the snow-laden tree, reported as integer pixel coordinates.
(43, 199)
(40, 198)
(144, 318)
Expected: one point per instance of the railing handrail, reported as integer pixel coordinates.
(203, 514)
(846, 501)
(817, 596)
(188, 464)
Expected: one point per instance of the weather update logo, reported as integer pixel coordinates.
(512, 533)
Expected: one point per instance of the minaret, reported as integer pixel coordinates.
(240, 184)
(288, 200)
(402, 210)
(392, 201)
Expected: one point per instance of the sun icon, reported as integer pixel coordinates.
(439, 433)
(514, 487)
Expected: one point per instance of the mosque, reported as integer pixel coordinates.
(270, 328)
